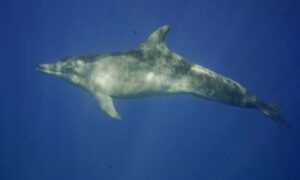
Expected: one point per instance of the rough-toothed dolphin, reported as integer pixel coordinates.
(152, 69)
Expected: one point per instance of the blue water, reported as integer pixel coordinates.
(52, 130)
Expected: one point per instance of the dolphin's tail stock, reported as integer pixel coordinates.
(271, 110)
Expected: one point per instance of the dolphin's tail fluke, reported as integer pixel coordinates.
(271, 110)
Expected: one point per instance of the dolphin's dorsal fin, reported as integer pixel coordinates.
(156, 40)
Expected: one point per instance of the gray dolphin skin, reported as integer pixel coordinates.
(152, 69)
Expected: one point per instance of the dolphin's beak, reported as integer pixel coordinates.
(42, 67)
(49, 69)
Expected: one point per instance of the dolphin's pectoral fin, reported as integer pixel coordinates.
(107, 105)
(156, 40)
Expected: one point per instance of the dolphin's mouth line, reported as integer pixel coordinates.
(46, 69)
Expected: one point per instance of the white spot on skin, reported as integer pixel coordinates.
(78, 69)
(102, 81)
(75, 80)
(79, 62)
(150, 76)
(181, 85)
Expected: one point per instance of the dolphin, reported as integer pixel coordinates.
(152, 69)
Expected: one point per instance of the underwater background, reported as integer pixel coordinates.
(51, 129)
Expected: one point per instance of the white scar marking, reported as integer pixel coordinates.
(200, 69)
